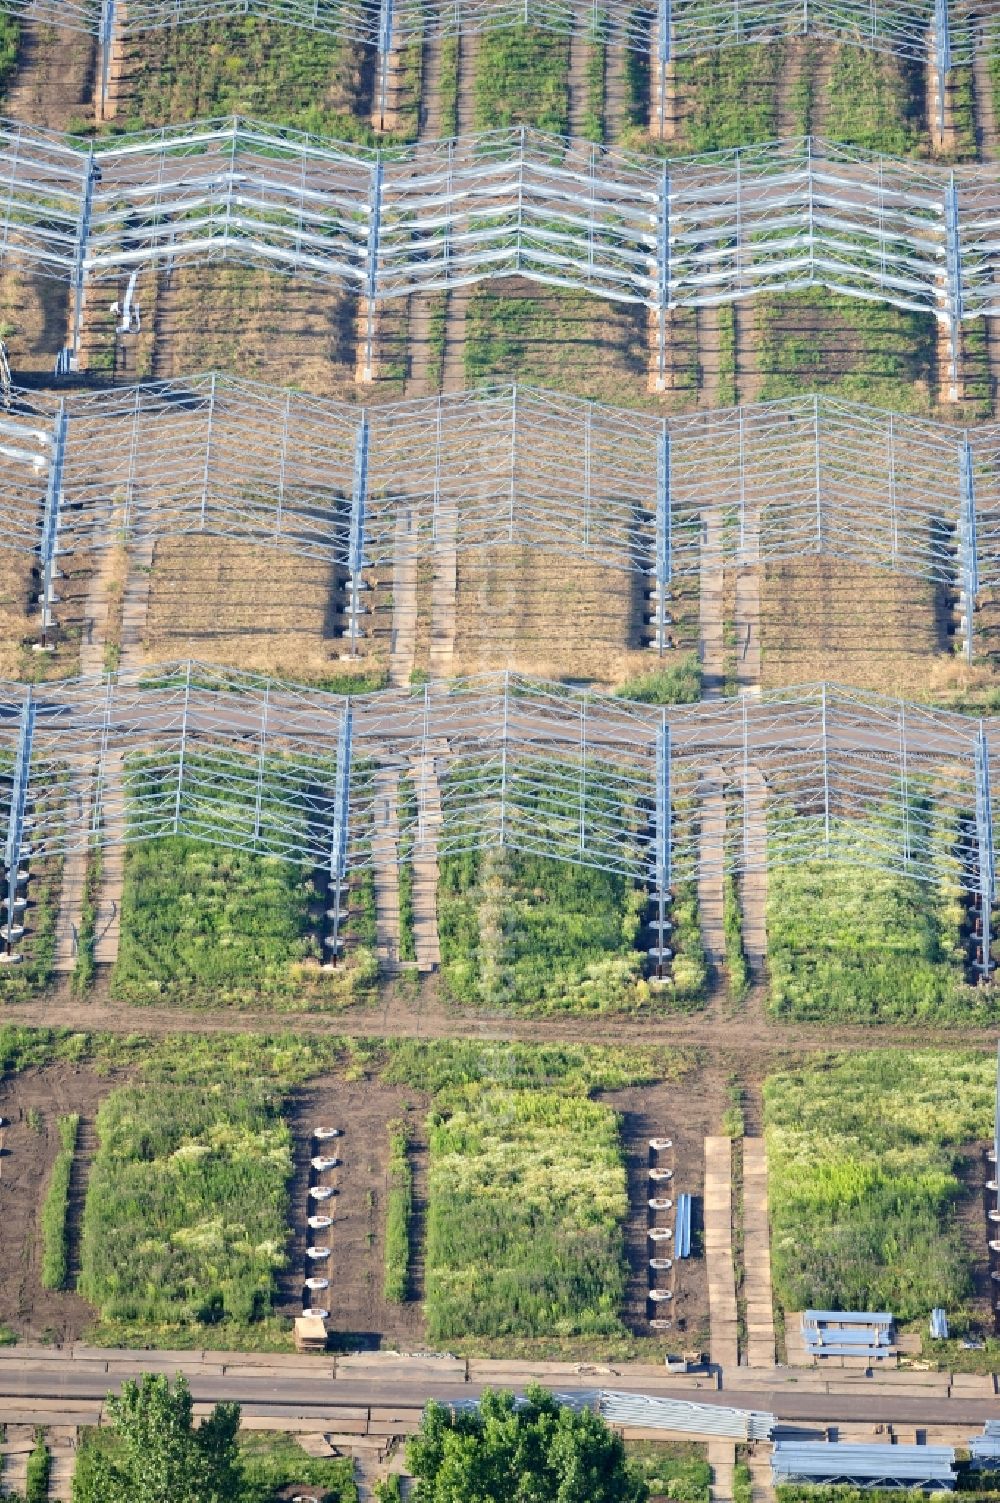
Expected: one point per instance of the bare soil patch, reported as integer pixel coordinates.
(33, 1101)
(852, 624)
(254, 323)
(247, 606)
(53, 84)
(534, 610)
(359, 1314)
(686, 1113)
(34, 318)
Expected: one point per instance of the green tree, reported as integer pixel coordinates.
(538, 1452)
(158, 1455)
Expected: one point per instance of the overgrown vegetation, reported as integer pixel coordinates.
(264, 70)
(524, 1229)
(875, 101)
(864, 1154)
(36, 1489)
(10, 41)
(184, 1224)
(448, 84)
(204, 921)
(398, 1210)
(730, 96)
(558, 337)
(55, 1250)
(210, 922)
(676, 683)
(534, 934)
(673, 1469)
(574, 1069)
(592, 124)
(814, 340)
(847, 941)
(522, 79)
(271, 1463)
(732, 920)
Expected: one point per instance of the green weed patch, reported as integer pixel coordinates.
(847, 942)
(864, 1154)
(522, 78)
(527, 1197)
(186, 1212)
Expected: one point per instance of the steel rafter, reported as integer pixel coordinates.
(699, 231)
(287, 771)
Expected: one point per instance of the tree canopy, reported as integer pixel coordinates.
(159, 1456)
(537, 1451)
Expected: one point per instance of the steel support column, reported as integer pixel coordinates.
(356, 545)
(106, 38)
(385, 21)
(372, 253)
(182, 758)
(71, 357)
(663, 281)
(15, 849)
(954, 310)
(664, 42)
(942, 55)
(660, 951)
(984, 841)
(341, 824)
(996, 1123)
(664, 561)
(49, 546)
(968, 548)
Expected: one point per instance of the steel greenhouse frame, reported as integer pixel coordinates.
(941, 33)
(686, 233)
(217, 456)
(284, 770)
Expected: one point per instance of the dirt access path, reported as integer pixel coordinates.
(423, 1016)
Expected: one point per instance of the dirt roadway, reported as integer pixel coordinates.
(728, 1032)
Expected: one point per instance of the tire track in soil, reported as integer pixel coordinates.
(86, 1149)
(615, 94)
(576, 82)
(427, 1017)
(444, 601)
(54, 81)
(421, 304)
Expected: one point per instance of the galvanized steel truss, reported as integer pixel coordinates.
(288, 771)
(918, 30)
(438, 215)
(215, 456)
